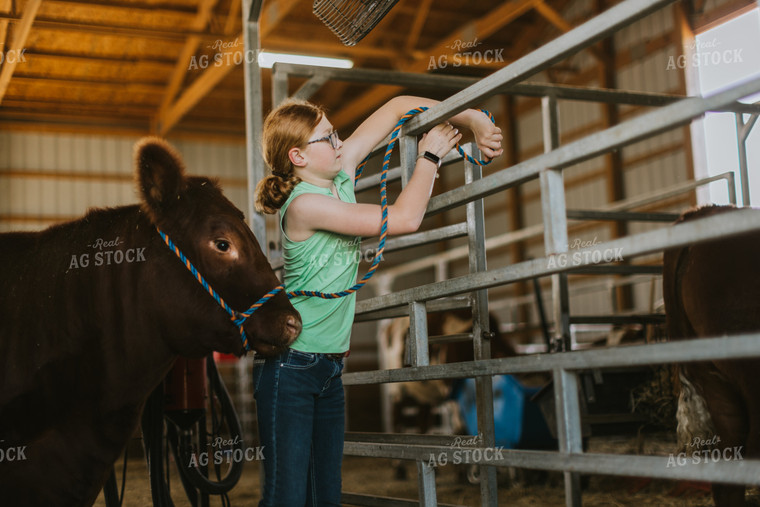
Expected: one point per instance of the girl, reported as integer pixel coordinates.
(299, 393)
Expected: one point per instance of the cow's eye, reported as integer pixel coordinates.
(222, 245)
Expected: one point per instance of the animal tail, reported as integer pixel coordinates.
(694, 422)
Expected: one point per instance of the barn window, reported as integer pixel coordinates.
(721, 55)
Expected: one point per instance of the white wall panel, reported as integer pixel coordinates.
(69, 173)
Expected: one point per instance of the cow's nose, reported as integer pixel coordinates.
(293, 328)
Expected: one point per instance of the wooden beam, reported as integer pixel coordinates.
(5, 7)
(556, 20)
(20, 35)
(168, 118)
(481, 28)
(233, 16)
(417, 25)
(162, 33)
(202, 17)
(159, 8)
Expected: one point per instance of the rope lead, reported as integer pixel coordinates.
(383, 206)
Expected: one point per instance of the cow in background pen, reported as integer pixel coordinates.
(712, 289)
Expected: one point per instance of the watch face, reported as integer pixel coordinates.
(433, 158)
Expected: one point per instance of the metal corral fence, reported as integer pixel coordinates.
(547, 168)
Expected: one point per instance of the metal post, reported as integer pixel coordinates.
(418, 335)
(426, 481)
(555, 223)
(476, 238)
(279, 86)
(742, 132)
(567, 408)
(253, 115)
(408, 153)
(555, 241)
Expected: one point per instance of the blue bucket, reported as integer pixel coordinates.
(518, 422)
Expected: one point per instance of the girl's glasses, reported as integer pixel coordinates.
(332, 138)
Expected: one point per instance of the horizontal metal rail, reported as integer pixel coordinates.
(373, 180)
(450, 338)
(451, 82)
(405, 438)
(672, 191)
(593, 30)
(613, 269)
(642, 127)
(621, 216)
(652, 318)
(714, 227)
(439, 305)
(704, 349)
(537, 230)
(742, 471)
(419, 238)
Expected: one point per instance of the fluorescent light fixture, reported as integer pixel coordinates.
(267, 59)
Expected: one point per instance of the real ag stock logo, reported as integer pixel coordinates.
(468, 57)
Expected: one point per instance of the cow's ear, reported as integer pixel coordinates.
(160, 175)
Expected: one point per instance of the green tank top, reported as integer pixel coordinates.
(325, 262)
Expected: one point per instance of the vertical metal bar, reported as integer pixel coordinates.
(476, 240)
(418, 336)
(408, 154)
(253, 116)
(555, 241)
(741, 139)
(555, 223)
(384, 350)
(552, 185)
(426, 482)
(731, 183)
(279, 86)
(568, 412)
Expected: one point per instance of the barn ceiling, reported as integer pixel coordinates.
(136, 66)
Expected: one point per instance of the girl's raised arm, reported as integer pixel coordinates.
(311, 212)
(380, 123)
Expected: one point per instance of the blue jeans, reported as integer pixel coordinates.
(301, 407)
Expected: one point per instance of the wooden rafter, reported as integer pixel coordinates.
(417, 24)
(202, 17)
(5, 7)
(20, 35)
(169, 117)
(232, 16)
(556, 19)
(481, 28)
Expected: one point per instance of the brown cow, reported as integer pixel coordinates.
(95, 311)
(711, 289)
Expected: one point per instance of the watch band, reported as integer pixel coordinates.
(431, 157)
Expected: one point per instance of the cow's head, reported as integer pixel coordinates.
(213, 235)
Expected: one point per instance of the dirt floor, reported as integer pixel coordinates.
(516, 488)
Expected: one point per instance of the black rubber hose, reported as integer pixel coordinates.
(153, 439)
(182, 446)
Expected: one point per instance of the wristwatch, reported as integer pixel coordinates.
(431, 157)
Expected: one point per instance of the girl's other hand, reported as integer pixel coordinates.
(440, 140)
(487, 136)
